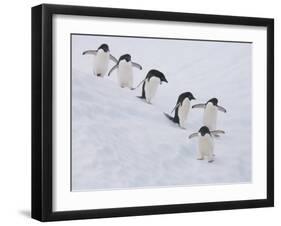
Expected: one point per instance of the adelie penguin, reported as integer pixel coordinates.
(150, 84)
(206, 142)
(210, 112)
(101, 59)
(181, 109)
(124, 68)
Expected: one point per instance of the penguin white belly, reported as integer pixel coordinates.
(101, 62)
(210, 116)
(206, 147)
(125, 74)
(151, 87)
(183, 111)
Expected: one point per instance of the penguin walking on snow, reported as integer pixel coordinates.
(124, 68)
(206, 142)
(150, 84)
(101, 60)
(181, 109)
(210, 112)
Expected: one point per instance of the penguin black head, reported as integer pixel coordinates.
(188, 95)
(204, 130)
(104, 47)
(126, 57)
(214, 101)
(163, 78)
(158, 74)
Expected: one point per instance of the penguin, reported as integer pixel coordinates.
(181, 109)
(153, 79)
(125, 70)
(101, 60)
(210, 112)
(206, 142)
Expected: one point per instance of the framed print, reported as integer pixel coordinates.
(145, 112)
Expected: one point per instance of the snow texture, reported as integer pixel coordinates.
(121, 142)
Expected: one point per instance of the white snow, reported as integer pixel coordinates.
(121, 142)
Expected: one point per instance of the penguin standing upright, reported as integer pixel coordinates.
(150, 84)
(125, 70)
(101, 60)
(181, 109)
(206, 142)
(210, 112)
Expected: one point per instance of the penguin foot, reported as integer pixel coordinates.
(201, 158)
(98, 75)
(182, 127)
(210, 161)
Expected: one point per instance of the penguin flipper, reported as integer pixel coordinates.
(113, 59)
(178, 104)
(112, 69)
(138, 85)
(193, 135)
(143, 91)
(220, 108)
(137, 65)
(217, 132)
(94, 52)
(169, 117)
(199, 106)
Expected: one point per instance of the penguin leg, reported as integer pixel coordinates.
(200, 156)
(182, 124)
(210, 157)
(148, 100)
(130, 85)
(121, 84)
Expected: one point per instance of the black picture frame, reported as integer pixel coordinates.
(42, 107)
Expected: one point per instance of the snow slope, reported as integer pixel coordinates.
(120, 142)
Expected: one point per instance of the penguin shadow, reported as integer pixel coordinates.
(220, 136)
(170, 122)
(187, 147)
(144, 100)
(216, 136)
(168, 118)
(188, 151)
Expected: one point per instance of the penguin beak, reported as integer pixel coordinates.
(165, 80)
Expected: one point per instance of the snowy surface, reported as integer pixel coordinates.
(120, 142)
